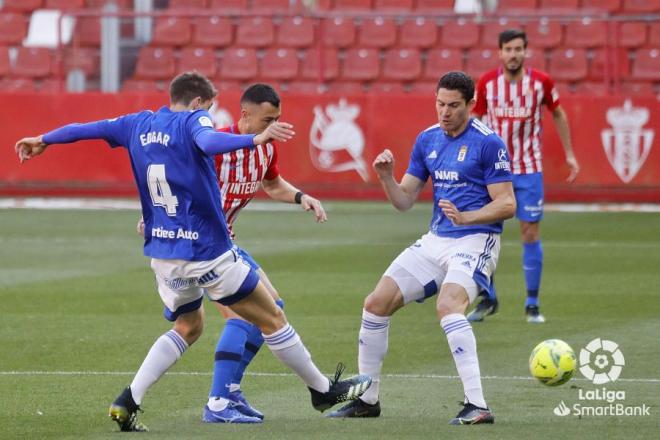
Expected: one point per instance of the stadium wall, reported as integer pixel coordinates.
(337, 138)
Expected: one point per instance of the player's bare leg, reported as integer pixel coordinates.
(532, 267)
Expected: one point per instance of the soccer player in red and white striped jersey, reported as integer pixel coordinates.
(511, 100)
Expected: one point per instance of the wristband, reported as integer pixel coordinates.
(298, 197)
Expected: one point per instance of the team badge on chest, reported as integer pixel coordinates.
(461, 153)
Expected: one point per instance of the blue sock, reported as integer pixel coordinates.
(228, 354)
(252, 345)
(533, 266)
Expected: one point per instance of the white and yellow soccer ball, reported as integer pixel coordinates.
(552, 362)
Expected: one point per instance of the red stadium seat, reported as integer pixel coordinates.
(199, 59)
(436, 6)
(33, 62)
(387, 88)
(544, 33)
(64, 4)
(338, 32)
(479, 61)
(586, 33)
(345, 88)
(419, 32)
(21, 5)
(641, 6)
(140, 85)
(320, 64)
(439, 61)
(295, 32)
(560, 5)
(17, 85)
(227, 86)
(4, 61)
(99, 4)
(228, 5)
(51, 85)
(638, 88)
(305, 87)
(424, 87)
(564, 88)
(279, 64)
(213, 31)
(393, 5)
(490, 32)
(402, 65)
(188, 4)
(535, 58)
(460, 33)
(172, 31)
(609, 63)
(377, 32)
(239, 64)
(255, 32)
(270, 6)
(14, 28)
(610, 6)
(361, 65)
(87, 31)
(632, 34)
(83, 58)
(517, 5)
(352, 5)
(568, 65)
(654, 35)
(591, 88)
(155, 63)
(647, 65)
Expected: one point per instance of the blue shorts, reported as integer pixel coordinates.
(529, 196)
(247, 257)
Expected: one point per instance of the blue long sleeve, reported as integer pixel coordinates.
(213, 142)
(76, 132)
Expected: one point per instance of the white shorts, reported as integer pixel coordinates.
(182, 284)
(469, 261)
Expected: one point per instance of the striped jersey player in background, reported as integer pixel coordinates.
(512, 98)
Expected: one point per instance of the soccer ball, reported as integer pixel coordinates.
(552, 362)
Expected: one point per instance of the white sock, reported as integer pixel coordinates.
(287, 346)
(463, 347)
(163, 354)
(372, 349)
(217, 403)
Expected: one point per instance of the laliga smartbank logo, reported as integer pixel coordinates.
(601, 361)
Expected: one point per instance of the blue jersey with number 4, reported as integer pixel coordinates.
(460, 168)
(179, 192)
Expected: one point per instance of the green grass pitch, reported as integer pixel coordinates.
(78, 312)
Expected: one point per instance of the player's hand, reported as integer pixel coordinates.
(29, 147)
(574, 166)
(451, 212)
(140, 226)
(309, 203)
(277, 131)
(383, 164)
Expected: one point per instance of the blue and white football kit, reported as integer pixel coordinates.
(460, 168)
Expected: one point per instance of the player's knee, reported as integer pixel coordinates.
(190, 330)
(273, 322)
(449, 304)
(377, 305)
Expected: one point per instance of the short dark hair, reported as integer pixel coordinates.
(188, 86)
(457, 81)
(512, 34)
(259, 93)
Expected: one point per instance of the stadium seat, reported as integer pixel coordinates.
(564, 88)
(402, 65)
(172, 31)
(460, 33)
(239, 64)
(24, 6)
(435, 6)
(638, 88)
(140, 85)
(361, 65)
(271, 6)
(14, 28)
(387, 88)
(535, 58)
(87, 31)
(586, 33)
(568, 65)
(227, 86)
(479, 61)
(255, 32)
(654, 35)
(592, 88)
(631, 34)
(212, 31)
(609, 6)
(352, 5)
(199, 59)
(646, 65)
(4, 61)
(307, 87)
(188, 4)
(51, 85)
(377, 32)
(85, 59)
(320, 64)
(99, 4)
(418, 32)
(424, 87)
(609, 63)
(544, 33)
(640, 6)
(295, 32)
(560, 5)
(279, 64)
(439, 61)
(64, 4)
(155, 63)
(504, 6)
(17, 85)
(228, 5)
(337, 32)
(345, 88)
(33, 62)
(400, 6)
(490, 31)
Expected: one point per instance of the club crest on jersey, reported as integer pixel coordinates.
(336, 140)
(461, 153)
(626, 144)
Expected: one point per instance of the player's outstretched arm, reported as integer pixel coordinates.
(403, 195)
(502, 207)
(561, 122)
(281, 190)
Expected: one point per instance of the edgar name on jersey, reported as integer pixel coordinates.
(154, 137)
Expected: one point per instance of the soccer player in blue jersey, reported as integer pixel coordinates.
(186, 236)
(469, 168)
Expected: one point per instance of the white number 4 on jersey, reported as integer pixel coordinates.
(161, 194)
